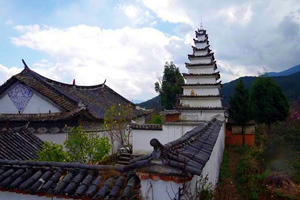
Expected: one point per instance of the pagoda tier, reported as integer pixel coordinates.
(201, 97)
(215, 75)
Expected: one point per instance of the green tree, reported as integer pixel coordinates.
(85, 148)
(269, 102)
(52, 152)
(170, 86)
(240, 109)
(116, 121)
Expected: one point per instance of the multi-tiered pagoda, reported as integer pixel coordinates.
(201, 99)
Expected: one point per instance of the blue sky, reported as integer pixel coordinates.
(128, 42)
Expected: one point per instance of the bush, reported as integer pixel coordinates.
(156, 119)
(81, 147)
(86, 148)
(52, 152)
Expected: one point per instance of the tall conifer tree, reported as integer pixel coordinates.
(170, 85)
(240, 110)
(269, 102)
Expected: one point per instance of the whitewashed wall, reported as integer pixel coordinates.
(201, 37)
(159, 190)
(201, 60)
(201, 45)
(207, 70)
(213, 165)
(37, 104)
(201, 102)
(141, 138)
(210, 90)
(201, 53)
(205, 115)
(194, 80)
(58, 138)
(18, 196)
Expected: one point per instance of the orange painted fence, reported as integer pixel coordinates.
(236, 139)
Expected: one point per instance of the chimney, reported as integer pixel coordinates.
(73, 81)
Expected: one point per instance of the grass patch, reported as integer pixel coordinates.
(225, 171)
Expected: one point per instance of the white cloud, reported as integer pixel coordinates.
(169, 10)
(237, 14)
(130, 10)
(130, 59)
(135, 14)
(6, 73)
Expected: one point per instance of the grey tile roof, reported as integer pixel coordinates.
(68, 180)
(97, 99)
(146, 126)
(189, 153)
(19, 144)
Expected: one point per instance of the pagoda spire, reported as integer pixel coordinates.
(201, 91)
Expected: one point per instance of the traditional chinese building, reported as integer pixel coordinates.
(52, 107)
(201, 99)
(188, 147)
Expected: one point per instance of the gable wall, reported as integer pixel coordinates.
(37, 104)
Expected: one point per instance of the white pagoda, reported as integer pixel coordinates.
(201, 99)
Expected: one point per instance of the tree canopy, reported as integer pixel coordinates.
(116, 121)
(170, 85)
(269, 102)
(240, 108)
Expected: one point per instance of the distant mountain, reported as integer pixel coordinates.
(154, 103)
(137, 101)
(287, 72)
(289, 84)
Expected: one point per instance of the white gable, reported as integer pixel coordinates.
(20, 98)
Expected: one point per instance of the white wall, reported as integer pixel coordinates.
(201, 45)
(58, 138)
(7, 106)
(201, 60)
(141, 138)
(205, 79)
(212, 167)
(205, 115)
(159, 190)
(37, 104)
(18, 196)
(194, 102)
(201, 37)
(201, 90)
(201, 52)
(201, 70)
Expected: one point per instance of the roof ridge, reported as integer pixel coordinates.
(74, 165)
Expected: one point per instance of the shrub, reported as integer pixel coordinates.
(52, 152)
(86, 148)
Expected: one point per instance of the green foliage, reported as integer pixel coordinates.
(289, 84)
(240, 109)
(249, 177)
(269, 102)
(116, 120)
(204, 189)
(156, 119)
(86, 148)
(170, 85)
(53, 152)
